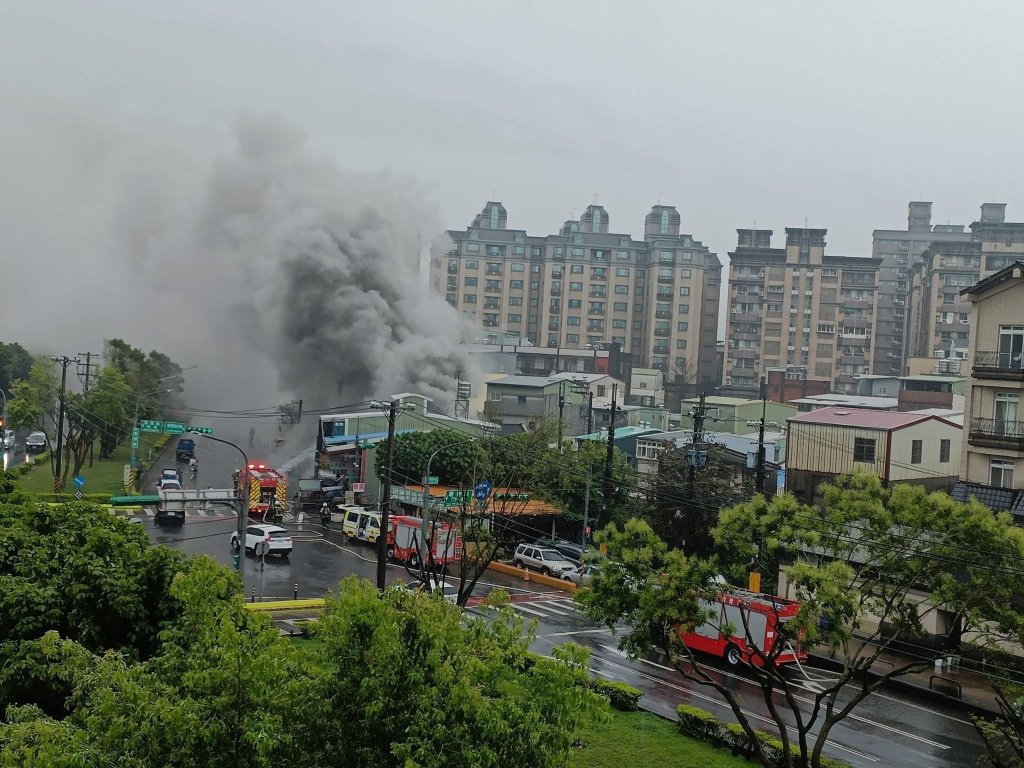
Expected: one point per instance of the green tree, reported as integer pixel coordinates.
(32, 401)
(1003, 733)
(143, 373)
(455, 464)
(682, 511)
(857, 566)
(15, 363)
(83, 573)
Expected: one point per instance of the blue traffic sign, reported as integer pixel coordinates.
(482, 490)
(79, 481)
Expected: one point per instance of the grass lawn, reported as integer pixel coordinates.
(102, 477)
(643, 740)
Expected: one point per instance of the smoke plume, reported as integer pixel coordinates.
(277, 274)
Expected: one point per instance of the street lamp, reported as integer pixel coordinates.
(425, 525)
(243, 506)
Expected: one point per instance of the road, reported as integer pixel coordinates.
(887, 729)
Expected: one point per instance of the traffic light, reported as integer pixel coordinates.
(3, 422)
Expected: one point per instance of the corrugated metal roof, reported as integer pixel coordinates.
(861, 417)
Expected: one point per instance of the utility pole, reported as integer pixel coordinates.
(63, 361)
(86, 375)
(698, 415)
(609, 487)
(561, 407)
(590, 412)
(760, 438)
(382, 538)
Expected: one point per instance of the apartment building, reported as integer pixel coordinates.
(656, 298)
(939, 316)
(900, 251)
(993, 447)
(798, 306)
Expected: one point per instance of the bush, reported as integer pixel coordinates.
(24, 469)
(66, 498)
(623, 697)
(698, 724)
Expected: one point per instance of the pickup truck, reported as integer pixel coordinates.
(186, 449)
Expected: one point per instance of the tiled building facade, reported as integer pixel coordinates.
(586, 285)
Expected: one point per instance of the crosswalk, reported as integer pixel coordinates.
(546, 608)
(150, 512)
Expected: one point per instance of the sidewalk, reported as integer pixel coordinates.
(958, 687)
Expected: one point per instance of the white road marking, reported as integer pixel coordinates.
(521, 607)
(576, 632)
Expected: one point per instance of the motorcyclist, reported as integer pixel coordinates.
(325, 515)
(193, 466)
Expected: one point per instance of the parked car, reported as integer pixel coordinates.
(581, 576)
(361, 525)
(549, 562)
(35, 443)
(9, 439)
(567, 548)
(449, 591)
(279, 539)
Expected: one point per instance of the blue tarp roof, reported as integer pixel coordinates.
(371, 436)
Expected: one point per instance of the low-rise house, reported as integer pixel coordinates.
(910, 447)
(738, 450)
(837, 400)
(733, 414)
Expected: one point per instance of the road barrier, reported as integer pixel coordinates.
(286, 605)
(526, 575)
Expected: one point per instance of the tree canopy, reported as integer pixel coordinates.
(15, 363)
(862, 568)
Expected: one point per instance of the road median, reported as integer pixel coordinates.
(526, 575)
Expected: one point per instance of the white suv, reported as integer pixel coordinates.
(549, 562)
(279, 541)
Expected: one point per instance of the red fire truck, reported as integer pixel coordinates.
(752, 616)
(403, 538)
(265, 487)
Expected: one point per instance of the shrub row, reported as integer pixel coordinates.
(62, 498)
(698, 724)
(624, 698)
(24, 469)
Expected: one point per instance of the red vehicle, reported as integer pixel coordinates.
(403, 538)
(265, 486)
(763, 615)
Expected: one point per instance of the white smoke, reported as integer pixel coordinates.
(275, 272)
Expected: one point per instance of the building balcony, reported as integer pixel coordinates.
(756, 277)
(663, 315)
(663, 279)
(662, 333)
(746, 335)
(743, 354)
(453, 270)
(661, 350)
(1006, 366)
(997, 433)
(493, 273)
(664, 296)
(746, 317)
(598, 312)
(598, 294)
(553, 325)
(556, 291)
(556, 273)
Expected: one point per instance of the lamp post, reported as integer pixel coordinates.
(425, 525)
(243, 506)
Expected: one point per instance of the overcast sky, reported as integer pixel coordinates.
(839, 113)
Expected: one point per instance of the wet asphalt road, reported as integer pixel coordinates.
(888, 729)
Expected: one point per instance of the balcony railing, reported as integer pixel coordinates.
(664, 296)
(663, 315)
(662, 332)
(998, 365)
(666, 278)
(661, 350)
(997, 433)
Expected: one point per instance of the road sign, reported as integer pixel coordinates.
(482, 490)
(201, 430)
(135, 438)
(261, 548)
(174, 427)
(79, 481)
(431, 479)
(127, 476)
(358, 487)
(79, 494)
(148, 425)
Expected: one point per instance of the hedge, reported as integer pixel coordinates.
(702, 725)
(24, 469)
(64, 498)
(623, 697)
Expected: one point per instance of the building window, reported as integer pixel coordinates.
(520, 238)
(622, 255)
(684, 273)
(864, 449)
(572, 338)
(471, 282)
(495, 213)
(683, 326)
(575, 303)
(559, 251)
(684, 291)
(471, 264)
(575, 286)
(602, 390)
(578, 239)
(620, 306)
(518, 266)
(451, 298)
(943, 451)
(573, 321)
(618, 323)
(664, 221)
(469, 298)
(473, 247)
(622, 289)
(1011, 346)
(515, 285)
(474, 235)
(622, 272)
(596, 224)
(576, 269)
(495, 397)
(515, 318)
(680, 343)
(515, 301)
(536, 251)
(684, 309)
(1001, 473)
(916, 451)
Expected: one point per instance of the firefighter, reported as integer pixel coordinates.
(325, 515)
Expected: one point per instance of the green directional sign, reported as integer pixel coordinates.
(201, 430)
(174, 427)
(147, 425)
(431, 479)
(135, 438)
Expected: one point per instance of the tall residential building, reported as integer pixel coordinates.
(900, 250)
(798, 307)
(992, 460)
(587, 285)
(939, 317)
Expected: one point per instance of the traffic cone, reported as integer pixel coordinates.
(526, 574)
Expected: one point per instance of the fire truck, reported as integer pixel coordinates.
(754, 619)
(403, 538)
(265, 487)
